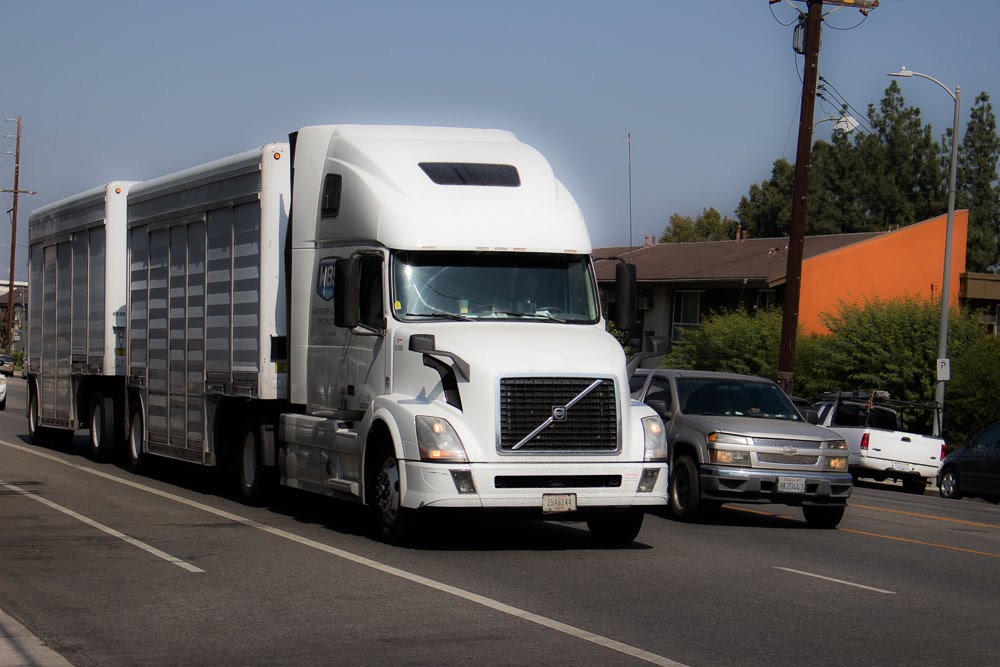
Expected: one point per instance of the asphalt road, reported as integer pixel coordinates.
(110, 568)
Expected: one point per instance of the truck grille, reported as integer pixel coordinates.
(788, 459)
(780, 442)
(590, 426)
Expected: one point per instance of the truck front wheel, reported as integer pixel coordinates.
(685, 490)
(392, 522)
(823, 517)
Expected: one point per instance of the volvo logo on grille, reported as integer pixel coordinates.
(559, 413)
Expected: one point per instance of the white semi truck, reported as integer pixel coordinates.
(397, 316)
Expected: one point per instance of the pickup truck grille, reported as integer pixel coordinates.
(780, 442)
(590, 426)
(788, 459)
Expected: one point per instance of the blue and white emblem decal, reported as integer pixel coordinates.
(324, 277)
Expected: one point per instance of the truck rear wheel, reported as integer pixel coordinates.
(391, 521)
(823, 517)
(254, 479)
(917, 486)
(616, 527)
(103, 441)
(685, 490)
(136, 438)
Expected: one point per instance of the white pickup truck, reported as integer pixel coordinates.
(886, 438)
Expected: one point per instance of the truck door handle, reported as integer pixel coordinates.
(906, 439)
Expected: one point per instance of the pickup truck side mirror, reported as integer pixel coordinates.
(811, 416)
(660, 408)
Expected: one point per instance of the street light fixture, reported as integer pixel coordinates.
(943, 365)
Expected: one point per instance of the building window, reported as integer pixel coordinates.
(765, 300)
(687, 312)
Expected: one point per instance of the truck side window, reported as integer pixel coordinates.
(659, 390)
(371, 312)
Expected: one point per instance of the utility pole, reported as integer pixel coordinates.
(13, 231)
(800, 186)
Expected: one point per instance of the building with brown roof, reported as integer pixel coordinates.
(680, 283)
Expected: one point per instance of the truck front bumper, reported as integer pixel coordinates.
(523, 485)
(747, 485)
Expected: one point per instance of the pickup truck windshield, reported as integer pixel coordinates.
(493, 285)
(740, 398)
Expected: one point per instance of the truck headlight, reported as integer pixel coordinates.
(836, 444)
(726, 439)
(836, 463)
(655, 439)
(438, 441)
(730, 457)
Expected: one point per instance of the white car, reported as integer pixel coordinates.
(3, 393)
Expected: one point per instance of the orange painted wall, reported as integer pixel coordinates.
(904, 262)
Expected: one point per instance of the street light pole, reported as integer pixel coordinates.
(943, 368)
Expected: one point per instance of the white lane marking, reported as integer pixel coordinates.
(107, 529)
(490, 603)
(836, 581)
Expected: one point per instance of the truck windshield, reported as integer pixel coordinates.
(493, 285)
(739, 398)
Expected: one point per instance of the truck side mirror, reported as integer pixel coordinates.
(626, 296)
(346, 292)
(810, 416)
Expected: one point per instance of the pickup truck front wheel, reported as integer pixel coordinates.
(685, 490)
(823, 517)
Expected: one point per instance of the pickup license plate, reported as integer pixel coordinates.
(791, 485)
(902, 467)
(555, 503)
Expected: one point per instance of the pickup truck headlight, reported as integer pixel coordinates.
(716, 438)
(730, 457)
(836, 444)
(836, 463)
(655, 439)
(438, 441)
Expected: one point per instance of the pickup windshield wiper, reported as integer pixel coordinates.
(441, 315)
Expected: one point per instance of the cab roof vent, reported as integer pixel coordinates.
(470, 173)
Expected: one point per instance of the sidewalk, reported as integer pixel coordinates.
(20, 648)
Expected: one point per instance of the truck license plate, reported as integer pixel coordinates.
(791, 485)
(554, 503)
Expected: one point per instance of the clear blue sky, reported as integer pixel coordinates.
(708, 90)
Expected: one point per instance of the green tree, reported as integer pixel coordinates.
(735, 341)
(970, 397)
(766, 211)
(709, 226)
(977, 185)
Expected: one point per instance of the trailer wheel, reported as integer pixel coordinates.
(102, 428)
(917, 486)
(391, 521)
(136, 438)
(616, 528)
(254, 479)
(39, 434)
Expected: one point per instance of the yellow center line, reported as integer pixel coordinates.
(926, 544)
(889, 537)
(926, 516)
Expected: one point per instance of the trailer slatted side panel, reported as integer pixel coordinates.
(246, 288)
(219, 290)
(63, 336)
(98, 299)
(80, 291)
(138, 302)
(35, 308)
(177, 316)
(156, 372)
(48, 326)
(194, 372)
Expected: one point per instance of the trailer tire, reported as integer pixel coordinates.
(917, 486)
(391, 522)
(137, 459)
(39, 435)
(616, 528)
(685, 490)
(254, 479)
(103, 440)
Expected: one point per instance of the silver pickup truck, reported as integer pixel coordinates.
(738, 438)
